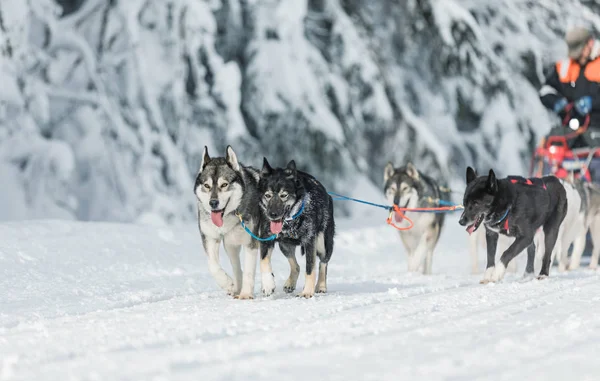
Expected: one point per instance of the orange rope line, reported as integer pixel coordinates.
(402, 211)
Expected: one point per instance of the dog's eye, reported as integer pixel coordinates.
(268, 196)
(283, 196)
(224, 185)
(206, 186)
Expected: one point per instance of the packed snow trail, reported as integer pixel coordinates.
(87, 301)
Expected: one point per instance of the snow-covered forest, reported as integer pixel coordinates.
(106, 105)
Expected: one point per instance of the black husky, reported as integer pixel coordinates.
(515, 207)
(299, 211)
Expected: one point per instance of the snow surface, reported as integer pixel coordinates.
(100, 301)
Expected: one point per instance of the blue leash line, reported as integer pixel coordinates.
(299, 212)
(346, 198)
(269, 238)
(440, 202)
(341, 197)
(273, 236)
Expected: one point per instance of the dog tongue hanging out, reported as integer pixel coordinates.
(276, 226)
(217, 217)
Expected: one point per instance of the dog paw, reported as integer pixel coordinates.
(231, 291)
(306, 294)
(244, 296)
(268, 284)
(289, 286)
(542, 277)
(498, 273)
(572, 267)
(562, 267)
(487, 275)
(321, 290)
(527, 277)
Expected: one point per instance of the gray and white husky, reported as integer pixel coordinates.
(590, 213)
(226, 189)
(409, 188)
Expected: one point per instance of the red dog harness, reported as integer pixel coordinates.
(534, 181)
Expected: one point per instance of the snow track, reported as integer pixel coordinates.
(87, 301)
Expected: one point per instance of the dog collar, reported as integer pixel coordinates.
(503, 217)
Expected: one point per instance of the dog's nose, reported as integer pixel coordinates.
(214, 204)
(462, 219)
(273, 214)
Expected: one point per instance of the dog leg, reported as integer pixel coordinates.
(529, 269)
(491, 239)
(428, 261)
(473, 247)
(322, 282)
(289, 251)
(520, 244)
(578, 248)
(512, 267)
(233, 252)
(556, 252)
(223, 280)
(266, 271)
(407, 241)
(418, 255)
(595, 233)
(323, 260)
(550, 238)
(563, 255)
(309, 280)
(250, 255)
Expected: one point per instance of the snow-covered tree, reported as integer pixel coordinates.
(106, 105)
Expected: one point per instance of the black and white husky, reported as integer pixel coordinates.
(296, 208)
(225, 190)
(409, 188)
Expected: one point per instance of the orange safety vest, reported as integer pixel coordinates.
(568, 70)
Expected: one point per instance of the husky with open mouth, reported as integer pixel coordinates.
(409, 188)
(226, 190)
(297, 209)
(515, 207)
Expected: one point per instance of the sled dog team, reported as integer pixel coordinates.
(240, 206)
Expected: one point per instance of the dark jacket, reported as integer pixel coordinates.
(570, 80)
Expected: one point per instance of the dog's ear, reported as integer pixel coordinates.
(266, 169)
(231, 159)
(290, 170)
(492, 182)
(388, 172)
(205, 158)
(411, 170)
(471, 174)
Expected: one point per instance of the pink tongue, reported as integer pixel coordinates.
(470, 229)
(399, 217)
(276, 227)
(217, 218)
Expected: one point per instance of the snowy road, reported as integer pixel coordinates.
(83, 301)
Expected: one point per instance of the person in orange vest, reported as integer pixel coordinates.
(575, 81)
